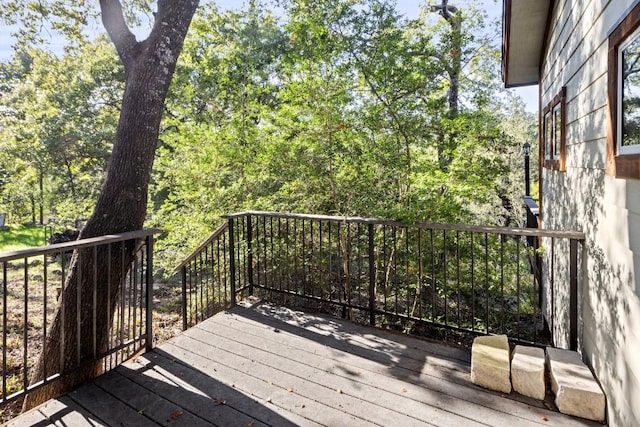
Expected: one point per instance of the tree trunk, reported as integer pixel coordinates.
(122, 204)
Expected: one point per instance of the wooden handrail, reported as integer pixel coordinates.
(577, 235)
(211, 238)
(77, 244)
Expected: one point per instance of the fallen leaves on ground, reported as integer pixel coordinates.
(176, 414)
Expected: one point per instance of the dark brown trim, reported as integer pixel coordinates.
(559, 164)
(506, 34)
(628, 165)
(540, 161)
(547, 34)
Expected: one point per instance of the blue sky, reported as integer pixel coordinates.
(407, 7)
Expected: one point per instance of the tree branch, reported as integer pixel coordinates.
(120, 34)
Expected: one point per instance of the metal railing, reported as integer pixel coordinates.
(34, 298)
(208, 280)
(423, 278)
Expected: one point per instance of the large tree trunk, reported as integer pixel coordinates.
(122, 205)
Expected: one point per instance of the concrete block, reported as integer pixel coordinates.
(577, 392)
(527, 371)
(490, 367)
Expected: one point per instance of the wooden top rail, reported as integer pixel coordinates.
(576, 235)
(77, 244)
(193, 254)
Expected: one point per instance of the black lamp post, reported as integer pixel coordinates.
(526, 149)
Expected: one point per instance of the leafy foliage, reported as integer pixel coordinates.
(57, 124)
(331, 107)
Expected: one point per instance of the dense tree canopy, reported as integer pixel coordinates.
(334, 107)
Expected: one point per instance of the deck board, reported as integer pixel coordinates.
(264, 365)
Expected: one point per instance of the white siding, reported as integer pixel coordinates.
(605, 208)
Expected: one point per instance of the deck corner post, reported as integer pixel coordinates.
(249, 254)
(149, 290)
(372, 277)
(232, 262)
(573, 295)
(184, 298)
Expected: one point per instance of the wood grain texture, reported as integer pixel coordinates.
(265, 365)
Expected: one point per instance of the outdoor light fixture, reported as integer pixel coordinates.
(526, 149)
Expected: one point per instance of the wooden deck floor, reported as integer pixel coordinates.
(267, 365)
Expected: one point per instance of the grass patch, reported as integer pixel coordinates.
(21, 237)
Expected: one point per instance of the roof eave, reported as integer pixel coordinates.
(524, 32)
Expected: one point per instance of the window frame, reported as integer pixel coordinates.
(554, 147)
(623, 163)
(620, 149)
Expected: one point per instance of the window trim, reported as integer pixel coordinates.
(550, 157)
(620, 149)
(623, 164)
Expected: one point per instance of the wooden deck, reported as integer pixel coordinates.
(266, 365)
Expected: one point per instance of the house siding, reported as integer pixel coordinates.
(585, 198)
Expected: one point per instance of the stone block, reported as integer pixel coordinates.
(527, 371)
(490, 366)
(576, 390)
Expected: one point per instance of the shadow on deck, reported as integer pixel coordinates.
(269, 365)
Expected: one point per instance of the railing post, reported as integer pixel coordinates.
(184, 298)
(372, 278)
(573, 295)
(249, 254)
(149, 290)
(232, 263)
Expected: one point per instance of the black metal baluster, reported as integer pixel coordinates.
(107, 312)
(383, 267)
(502, 296)
(45, 281)
(445, 278)
(149, 292)
(458, 260)
(25, 328)
(573, 294)
(280, 255)
(395, 268)
(62, 302)
(79, 307)
(407, 273)
(232, 263)
(518, 287)
(372, 279)
(94, 299)
(4, 331)
(434, 285)
(328, 289)
(420, 282)
(272, 284)
(486, 272)
(184, 298)
(473, 283)
(250, 253)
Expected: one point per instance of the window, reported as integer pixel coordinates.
(553, 144)
(628, 114)
(623, 136)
